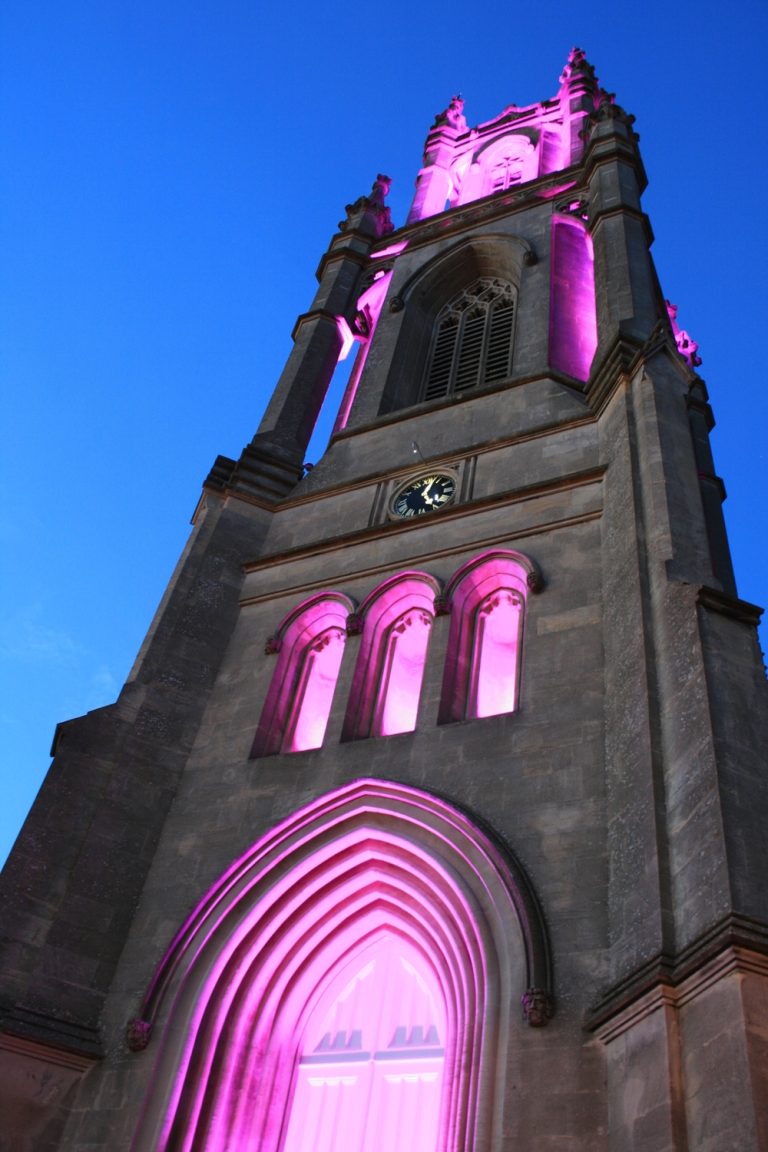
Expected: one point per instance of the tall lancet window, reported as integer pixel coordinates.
(370, 1068)
(310, 645)
(405, 653)
(472, 342)
(496, 656)
(396, 623)
(482, 671)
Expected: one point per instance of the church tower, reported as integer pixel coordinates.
(434, 813)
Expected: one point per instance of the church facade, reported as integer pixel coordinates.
(434, 812)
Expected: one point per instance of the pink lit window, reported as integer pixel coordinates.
(322, 660)
(496, 654)
(400, 687)
(310, 644)
(393, 651)
(370, 1070)
(482, 672)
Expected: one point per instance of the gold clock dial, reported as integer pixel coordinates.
(425, 494)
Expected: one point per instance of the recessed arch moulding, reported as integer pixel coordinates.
(290, 978)
(497, 255)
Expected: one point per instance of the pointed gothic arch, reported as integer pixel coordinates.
(491, 256)
(487, 598)
(309, 643)
(373, 869)
(396, 618)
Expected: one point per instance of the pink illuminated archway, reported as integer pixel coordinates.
(397, 618)
(482, 671)
(376, 943)
(310, 645)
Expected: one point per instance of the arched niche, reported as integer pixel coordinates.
(493, 255)
(252, 986)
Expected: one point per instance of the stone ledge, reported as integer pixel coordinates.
(741, 610)
(60, 1057)
(49, 1038)
(736, 944)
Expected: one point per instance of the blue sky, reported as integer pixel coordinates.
(172, 175)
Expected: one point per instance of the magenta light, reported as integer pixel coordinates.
(390, 665)
(315, 691)
(367, 317)
(688, 348)
(347, 337)
(311, 644)
(375, 942)
(404, 659)
(519, 145)
(392, 250)
(482, 668)
(497, 636)
(572, 316)
(369, 1071)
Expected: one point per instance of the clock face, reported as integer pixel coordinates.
(426, 494)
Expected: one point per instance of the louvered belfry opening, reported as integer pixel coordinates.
(472, 343)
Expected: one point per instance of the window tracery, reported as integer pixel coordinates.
(472, 341)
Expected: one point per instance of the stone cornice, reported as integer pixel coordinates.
(489, 208)
(741, 610)
(455, 512)
(735, 944)
(49, 1038)
(22, 1046)
(445, 459)
(426, 407)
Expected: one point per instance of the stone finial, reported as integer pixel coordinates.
(577, 67)
(688, 349)
(452, 116)
(538, 1007)
(370, 214)
(137, 1035)
(608, 109)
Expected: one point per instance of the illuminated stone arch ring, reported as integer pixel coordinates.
(371, 866)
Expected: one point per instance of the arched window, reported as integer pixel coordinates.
(310, 645)
(472, 341)
(369, 1069)
(482, 672)
(397, 619)
(350, 983)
